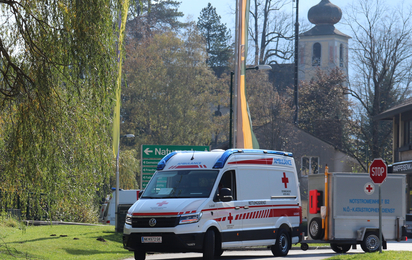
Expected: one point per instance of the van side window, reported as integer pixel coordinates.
(228, 181)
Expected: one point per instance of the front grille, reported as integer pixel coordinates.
(160, 222)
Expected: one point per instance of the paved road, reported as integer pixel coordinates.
(295, 254)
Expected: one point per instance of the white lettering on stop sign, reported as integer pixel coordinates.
(378, 171)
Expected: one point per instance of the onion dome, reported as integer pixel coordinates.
(324, 13)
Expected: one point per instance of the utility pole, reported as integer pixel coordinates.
(295, 118)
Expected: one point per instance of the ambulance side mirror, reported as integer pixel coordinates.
(225, 195)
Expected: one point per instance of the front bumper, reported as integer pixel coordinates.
(171, 242)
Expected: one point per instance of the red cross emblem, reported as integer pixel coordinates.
(285, 180)
(230, 218)
(162, 203)
(369, 188)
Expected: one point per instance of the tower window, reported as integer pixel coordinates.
(316, 54)
(341, 56)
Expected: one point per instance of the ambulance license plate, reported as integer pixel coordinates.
(152, 239)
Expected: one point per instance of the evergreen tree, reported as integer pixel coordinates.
(149, 17)
(216, 35)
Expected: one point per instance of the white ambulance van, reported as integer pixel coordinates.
(211, 201)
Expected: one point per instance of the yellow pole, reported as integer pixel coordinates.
(325, 221)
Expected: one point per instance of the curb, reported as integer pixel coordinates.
(42, 222)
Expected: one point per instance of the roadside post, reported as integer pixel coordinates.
(151, 154)
(377, 172)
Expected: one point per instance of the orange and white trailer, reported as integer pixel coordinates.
(343, 210)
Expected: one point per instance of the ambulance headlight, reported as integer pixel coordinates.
(190, 218)
(128, 219)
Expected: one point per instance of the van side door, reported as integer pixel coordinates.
(228, 210)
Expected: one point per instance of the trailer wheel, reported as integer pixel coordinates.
(340, 248)
(370, 242)
(315, 228)
(282, 245)
(209, 245)
(139, 254)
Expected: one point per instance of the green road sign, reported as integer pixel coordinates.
(150, 163)
(151, 155)
(159, 151)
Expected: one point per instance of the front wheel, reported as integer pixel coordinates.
(282, 245)
(209, 245)
(340, 248)
(370, 242)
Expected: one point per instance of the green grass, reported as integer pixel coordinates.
(81, 242)
(61, 242)
(385, 255)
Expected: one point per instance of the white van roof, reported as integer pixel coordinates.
(215, 159)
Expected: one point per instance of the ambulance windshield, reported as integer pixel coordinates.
(181, 184)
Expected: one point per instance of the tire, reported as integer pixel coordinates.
(304, 246)
(282, 245)
(315, 228)
(340, 248)
(139, 255)
(370, 242)
(218, 253)
(209, 245)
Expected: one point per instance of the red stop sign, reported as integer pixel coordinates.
(378, 171)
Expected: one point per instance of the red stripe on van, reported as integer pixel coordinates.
(265, 161)
(157, 214)
(213, 209)
(258, 206)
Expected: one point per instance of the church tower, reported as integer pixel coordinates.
(323, 46)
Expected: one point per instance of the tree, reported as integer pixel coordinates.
(128, 170)
(170, 90)
(148, 17)
(382, 62)
(324, 108)
(217, 37)
(270, 112)
(271, 31)
(57, 74)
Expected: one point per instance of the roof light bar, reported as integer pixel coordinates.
(162, 164)
(225, 156)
